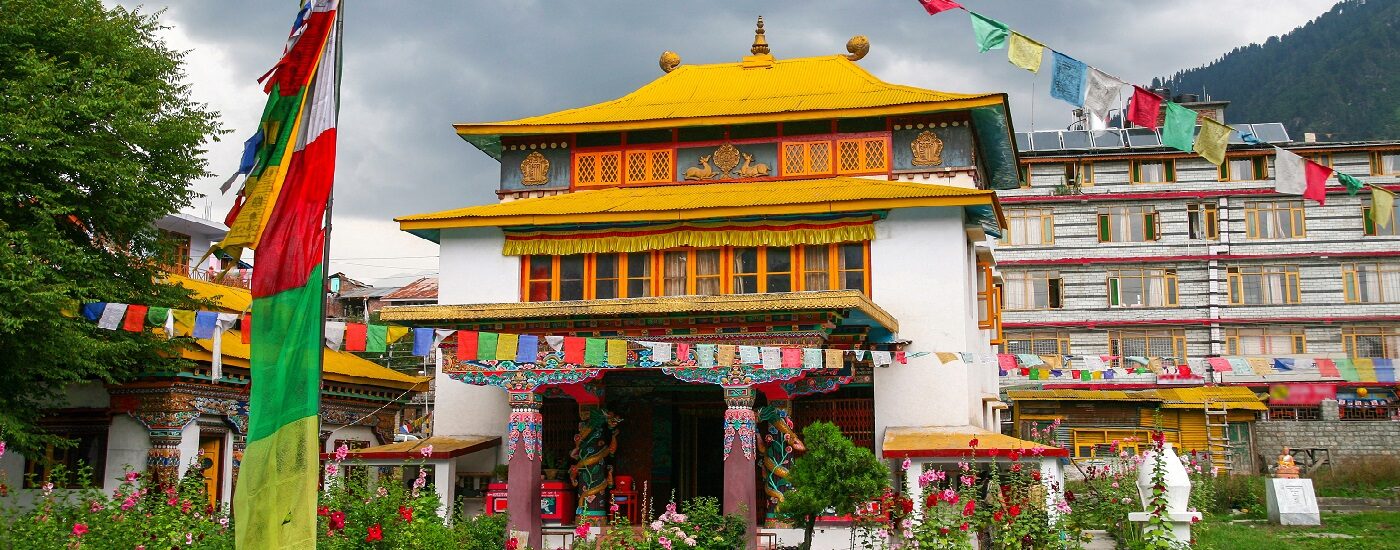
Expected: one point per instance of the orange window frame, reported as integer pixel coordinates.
(589, 168)
(871, 155)
(657, 165)
(806, 168)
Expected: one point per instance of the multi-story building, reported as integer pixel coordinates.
(1120, 246)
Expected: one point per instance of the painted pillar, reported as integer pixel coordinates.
(594, 444)
(778, 446)
(740, 450)
(163, 460)
(523, 453)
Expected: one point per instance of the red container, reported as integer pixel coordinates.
(557, 501)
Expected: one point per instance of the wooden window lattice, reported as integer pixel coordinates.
(854, 416)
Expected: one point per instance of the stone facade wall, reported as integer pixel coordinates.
(1343, 439)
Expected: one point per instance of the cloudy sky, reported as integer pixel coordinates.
(414, 68)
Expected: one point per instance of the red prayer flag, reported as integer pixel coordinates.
(901, 358)
(1144, 108)
(246, 327)
(1220, 364)
(466, 345)
(1183, 370)
(575, 348)
(682, 353)
(1326, 367)
(935, 7)
(1317, 175)
(1025, 371)
(354, 337)
(792, 358)
(135, 320)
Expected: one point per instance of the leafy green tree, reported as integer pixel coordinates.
(834, 475)
(98, 139)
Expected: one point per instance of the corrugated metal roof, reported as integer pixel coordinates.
(420, 290)
(1079, 395)
(369, 292)
(785, 87)
(1232, 397)
(951, 442)
(696, 201)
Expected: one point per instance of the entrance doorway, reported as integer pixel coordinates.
(211, 462)
(700, 452)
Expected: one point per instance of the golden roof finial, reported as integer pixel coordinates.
(760, 44)
(858, 45)
(669, 61)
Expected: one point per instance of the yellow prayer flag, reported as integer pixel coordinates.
(184, 322)
(1096, 375)
(1024, 52)
(506, 347)
(617, 353)
(1382, 205)
(835, 358)
(725, 354)
(1211, 142)
(1052, 362)
(1260, 365)
(1365, 369)
(946, 357)
(395, 333)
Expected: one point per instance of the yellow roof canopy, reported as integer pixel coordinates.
(737, 93)
(1218, 397)
(956, 442)
(438, 447)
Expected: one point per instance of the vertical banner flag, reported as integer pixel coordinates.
(1295, 175)
(990, 33)
(935, 7)
(1212, 141)
(281, 213)
(1101, 92)
(1144, 108)
(1180, 127)
(1024, 52)
(1067, 80)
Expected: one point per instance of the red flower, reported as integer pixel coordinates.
(1069, 497)
(1015, 467)
(323, 511)
(374, 533)
(997, 516)
(943, 530)
(972, 443)
(512, 544)
(963, 526)
(906, 505)
(1015, 455)
(1159, 438)
(337, 520)
(406, 513)
(1035, 475)
(79, 529)
(967, 510)
(1014, 510)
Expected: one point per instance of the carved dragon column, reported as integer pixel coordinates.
(594, 443)
(740, 487)
(778, 446)
(524, 430)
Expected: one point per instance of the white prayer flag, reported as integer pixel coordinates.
(881, 358)
(748, 355)
(772, 357)
(1289, 174)
(439, 335)
(335, 334)
(660, 351)
(225, 321)
(169, 324)
(112, 316)
(860, 354)
(1102, 91)
(555, 343)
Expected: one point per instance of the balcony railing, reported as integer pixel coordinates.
(1369, 412)
(238, 278)
(1277, 412)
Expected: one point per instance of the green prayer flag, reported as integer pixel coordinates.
(486, 345)
(1354, 185)
(595, 352)
(1180, 128)
(1086, 375)
(990, 33)
(156, 316)
(376, 338)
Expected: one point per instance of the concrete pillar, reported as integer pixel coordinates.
(445, 482)
(1328, 409)
(523, 492)
(740, 452)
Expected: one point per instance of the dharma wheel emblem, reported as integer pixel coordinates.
(534, 170)
(927, 149)
(726, 158)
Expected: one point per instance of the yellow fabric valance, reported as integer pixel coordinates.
(757, 233)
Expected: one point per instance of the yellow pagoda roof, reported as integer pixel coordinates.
(738, 93)
(705, 201)
(229, 299)
(1228, 397)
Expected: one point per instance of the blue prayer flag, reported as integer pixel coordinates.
(250, 153)
(1283, 363)
(422, 341)
(204, 322)
(1067, 81)
(528, 349)
(92, 311)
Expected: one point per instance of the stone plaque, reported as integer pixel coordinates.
(1292, 502)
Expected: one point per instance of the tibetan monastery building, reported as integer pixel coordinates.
(789, 203)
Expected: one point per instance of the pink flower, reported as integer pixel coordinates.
(331, 469)
(664, 542)
(968, 480)
(131, 477)
(950, 495)
(95, 506)
(48, 488)
(79, 529)
(906, 464)
(613, 507)
(189, 539)
(341, 452)
(2, 448)
(582, 530)
(427, 451)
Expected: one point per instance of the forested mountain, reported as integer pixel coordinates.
(1338, 75)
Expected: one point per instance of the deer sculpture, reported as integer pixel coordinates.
(750, 170)
(703, 172)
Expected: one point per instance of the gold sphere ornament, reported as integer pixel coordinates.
(669, 61)
(1362, 392)
(858, 45)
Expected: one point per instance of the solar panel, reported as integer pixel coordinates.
(1023, 141)
(1108, 139)
(1271, 132)
(1075, 139)
(1143, 137)
(1045, 141)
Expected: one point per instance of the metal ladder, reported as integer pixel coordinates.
(1222, 454)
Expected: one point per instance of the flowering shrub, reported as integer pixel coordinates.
(698, 525)
(1112, 486)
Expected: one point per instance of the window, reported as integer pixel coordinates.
(1371, 283)
(1265, 341)
(1142, 287)
(745, 266)
(1369, 225)
(1128, 224)
(1038, 343)
(1081, 174)
(1244, 169)
(602, 168)
(1029, 226)
(766, 269)
(1033, 290)
(1371, 341)
(539, 278)
(1324, 159)
(1154, 171)
(1203, 221)
(989, 302)
(1274, 220)
(570, 277)
(649, 166)
(1262, 285)
(1385, 163)
(1025, 173)
(851, 266)
(606, 274)
(638, 274)
(1097, 443)
(862, 155)
(1147, 343)
(90, 451)
(803, 158)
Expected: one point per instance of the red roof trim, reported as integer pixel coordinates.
(1051, 452)
(417, 455)
(1195, 258)
(1205, 194)
(1143, 322)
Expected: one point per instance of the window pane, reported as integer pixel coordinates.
(604, 290)
(571, 277)
(707, 272)
(606, 266)
(745, 264)
(853, 268)
(673, 283)
(539, 291)
(814, 268)
(780, 260)
(540, 267)
(638, 274)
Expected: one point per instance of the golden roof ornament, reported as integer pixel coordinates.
(927, 149)
(534, 170)
(760, 43)
(669, 61)
(858, 45)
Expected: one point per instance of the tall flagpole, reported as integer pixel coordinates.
(330, 202)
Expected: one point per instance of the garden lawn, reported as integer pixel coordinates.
(1373, 531)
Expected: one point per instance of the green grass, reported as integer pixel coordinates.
(1373, 531)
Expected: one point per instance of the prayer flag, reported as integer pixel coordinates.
(467, 341)
(1096, 375)
(1024, 52)
(595, 352)
(901, 358)
(945, 357)
(881, 358)
(1138, 360)
(1056, 373)
(1212, 141)
(204, 322)
(811, 358)
(156, 316)
(1354, 185)
(506, 346)
(749, 355)
(1238, 364)
(1295, 175)
(1219, 364)
(860, 354)
(1382, 206)
(1326, 367)
(1283, 363)
(1029, 360)
(1180, 128)
(555, 343)
(1094, 363)
(617, 353)
(486, 343)
(1074, 373)
(1385, 369)
(990, 33)
(377, 338)
(527, 350)
(184, 321)
(1051, 361)
(935, 7)
(1109, 374)
(135, 318)
(1006, 360)
(1260, 365)
(1101, 93)
(771, 357)
(705, 355)
(223, 322)
(1067, 80)
(683, 353)
(835, 359)
(335, 334)
(660, 351)
(792, 358)
(92, 311)
(422, 341)
(726, 354)
(1035, 374)
(1144, 108)
(1365, 369)
(246, 328)
(440, 335)
(1347, 369)
(575, 348)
